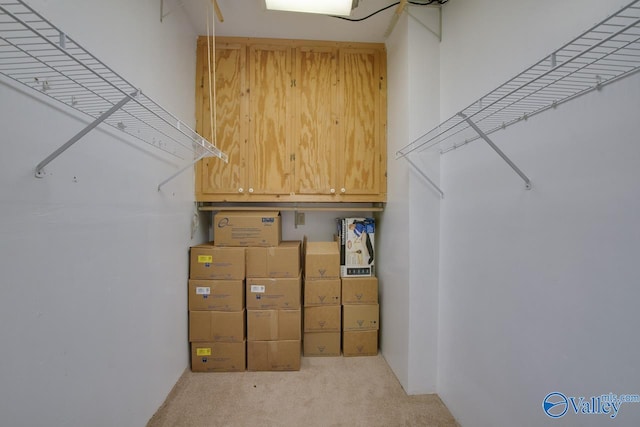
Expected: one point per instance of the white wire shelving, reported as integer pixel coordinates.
(607, 52)
(37, 54)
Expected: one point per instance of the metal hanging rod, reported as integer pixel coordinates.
(37, 54)
(607, 52)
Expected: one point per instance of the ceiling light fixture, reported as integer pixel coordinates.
(325, 7)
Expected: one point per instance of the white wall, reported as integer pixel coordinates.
(93, 260)
(538, 288)
(410, 223)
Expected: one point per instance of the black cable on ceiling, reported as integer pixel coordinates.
(415, 3)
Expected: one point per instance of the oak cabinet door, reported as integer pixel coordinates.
(360, 121)
(270, 112)
(315, 94)
(230, 108)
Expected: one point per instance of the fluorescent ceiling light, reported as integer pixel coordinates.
(326, 7)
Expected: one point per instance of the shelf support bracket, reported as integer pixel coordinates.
(424, 175)
(39, 169)
(181, 170)
(484, 136)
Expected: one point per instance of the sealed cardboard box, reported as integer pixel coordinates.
(216, 326)
(359, 290)
(322, 260)
(317, 344)
(359, 343)
(274, 261)
(273, 293)
(321, 292)
(219, 295)
(324, 318)
(209, 262)
(247, 228)
(218, 356)
(274, 325)
(357, 242)
(273, 355)
(360, 317)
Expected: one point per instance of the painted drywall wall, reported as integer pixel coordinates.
(410, 222)
(538, 288)
(393, 234)
(93, 259)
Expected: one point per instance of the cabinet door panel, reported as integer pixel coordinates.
(360, 80)
(230, 116)
(315, 133)
(270, 107)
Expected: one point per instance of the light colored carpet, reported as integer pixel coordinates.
(332, 391)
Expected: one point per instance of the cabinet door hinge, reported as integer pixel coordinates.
(292, 157)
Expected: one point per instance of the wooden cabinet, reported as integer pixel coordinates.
(300, 120)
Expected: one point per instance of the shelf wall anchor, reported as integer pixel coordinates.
(482, 135)
(39, 169)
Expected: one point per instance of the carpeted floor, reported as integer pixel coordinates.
(332, 391)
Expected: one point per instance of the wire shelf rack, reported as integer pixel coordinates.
(39, 55)
(603, 54)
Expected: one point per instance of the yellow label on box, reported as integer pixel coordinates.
(204, 259)
(203, 352)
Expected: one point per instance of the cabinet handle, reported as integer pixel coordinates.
(250, 190)
(343, 190)
(240, 190)
(332, 191)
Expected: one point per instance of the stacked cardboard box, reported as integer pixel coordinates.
(217, 308)
(273, 288)
(360, 316)
(322, 311)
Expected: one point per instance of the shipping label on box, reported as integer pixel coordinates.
(321, 292)
(273, 293)
(273, 325)
(209, 262)
(247, 228)
(322, 318)
(218, 356)
(360, 317)
(359, 290)
(360, 343)
(274, 261)
(216, 326)
(357, 243)
(273, 355)
(219, 295)
(316, 344)
(322, 260)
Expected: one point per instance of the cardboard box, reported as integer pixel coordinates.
(319, 292)
(359, 290)
(274, 325)
(216, 326)
(219, 295)
(209, 262)
(274, 293)
(360, 317)
(359, 343)
(273, 355)
(247, 228)
(274, 261)
(218, 356)
(317, 344)
(322, 319)
(357, 243)
(322, 260)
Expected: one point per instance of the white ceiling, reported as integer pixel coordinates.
(249, 18)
